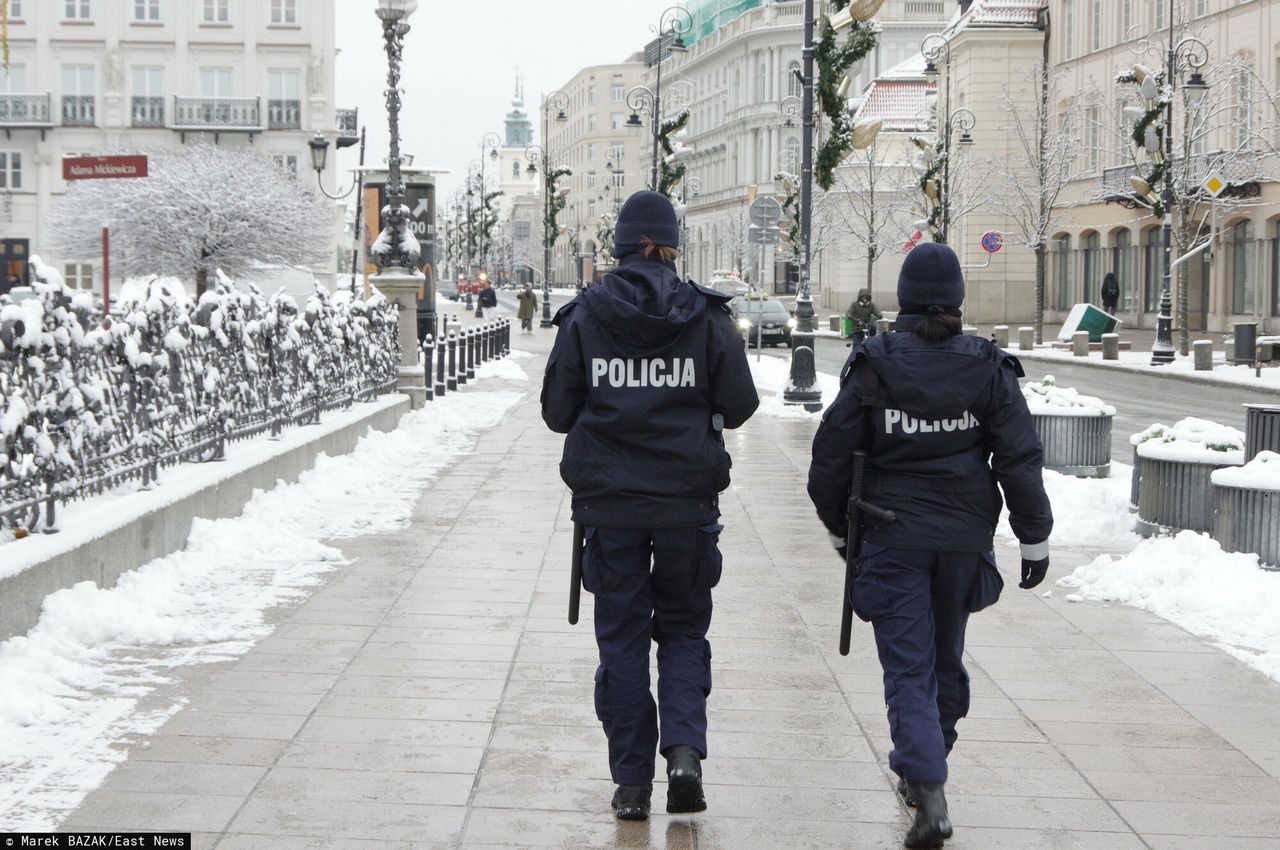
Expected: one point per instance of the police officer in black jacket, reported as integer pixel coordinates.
(645, 372)
(943, 421)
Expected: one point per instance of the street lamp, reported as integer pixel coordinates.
(690, 189)
(672, 26)
(790, 105)
(319, 159)
(536, 154)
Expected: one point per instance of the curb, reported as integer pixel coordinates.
(1186, 377)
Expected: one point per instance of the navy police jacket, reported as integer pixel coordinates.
(942, 423)
(640, 366)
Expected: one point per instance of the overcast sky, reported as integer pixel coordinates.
(460, 65)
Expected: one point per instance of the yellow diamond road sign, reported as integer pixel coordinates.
(1214, 185)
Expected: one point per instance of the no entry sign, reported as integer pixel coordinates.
(992, 241)
(103, 167)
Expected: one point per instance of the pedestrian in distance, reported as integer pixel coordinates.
(645, 372)
(943, 421)
(528, 307)
(1110, 293)
(864, 314)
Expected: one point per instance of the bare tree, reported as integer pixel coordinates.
(202, 208)
(732, 232)
(1040, 166)
(873, 192)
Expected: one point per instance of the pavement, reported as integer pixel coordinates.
(432, 695)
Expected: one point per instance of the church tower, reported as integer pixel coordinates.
(519, 127)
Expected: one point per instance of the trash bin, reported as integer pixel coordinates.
(846, 326)
(1261, 429)
(1246, 340)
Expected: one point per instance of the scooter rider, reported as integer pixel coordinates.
(645, 371)
(943, 421)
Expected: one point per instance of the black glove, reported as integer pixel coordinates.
(840, 543)
(1033, 572)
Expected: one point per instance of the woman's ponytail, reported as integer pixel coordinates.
(936, 323)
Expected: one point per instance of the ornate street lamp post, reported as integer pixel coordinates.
(319, 155)
(690, 189)
(674, 23)
(936, 47)
(396, 251)
(559, 101)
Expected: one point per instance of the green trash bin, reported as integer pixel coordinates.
(846, 326)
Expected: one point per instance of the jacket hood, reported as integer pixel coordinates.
(863, 293)
(643, 304)
(959, 370)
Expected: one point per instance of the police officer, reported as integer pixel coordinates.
(943, 420)
(645, 372)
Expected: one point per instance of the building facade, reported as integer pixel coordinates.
(88, 77)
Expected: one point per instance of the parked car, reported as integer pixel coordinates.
(764, 318)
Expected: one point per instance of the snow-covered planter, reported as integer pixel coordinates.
(1074, 429)
(1174, 468)
(1247, 515)
(88, 402)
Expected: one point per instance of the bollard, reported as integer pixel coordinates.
(1080, 344)
(1202, 350)
(452, 381)
(506, 346)
(1026, 339)
(486, 347)
(492, 352)
(471, 354)
(1111, 346)
(440, 354)
(1000, 333)
(463, 348)
(883, 326)
(428, 346)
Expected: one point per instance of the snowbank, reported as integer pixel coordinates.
(1190, 581)
(1191, 441)
(771, 373)
(1046, 398)
(1261, 473)
(73, 685)
(1092, 512)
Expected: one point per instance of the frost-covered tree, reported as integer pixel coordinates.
(871, 192)
(202, 208)
(1040, 165)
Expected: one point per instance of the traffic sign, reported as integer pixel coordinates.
(420, 199)
(103, 167)
(1214, 185)
(763, 235)
(992, 241)
(765, 212)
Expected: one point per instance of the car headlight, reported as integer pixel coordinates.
(791, 323)
(745, 324)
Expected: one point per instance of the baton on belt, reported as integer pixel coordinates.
(853, 543)
(575, 574)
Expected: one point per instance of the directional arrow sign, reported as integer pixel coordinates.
(423, 207)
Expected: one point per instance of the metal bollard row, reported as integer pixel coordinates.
(451, 360)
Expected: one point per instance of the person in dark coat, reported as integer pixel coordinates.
(864, 314)
(645, 373)
(1110, 293)
(528, 307)
(943, 421)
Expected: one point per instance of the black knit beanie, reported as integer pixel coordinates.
(645, 214)
(931, 276)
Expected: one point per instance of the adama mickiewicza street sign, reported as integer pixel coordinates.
(103, 167)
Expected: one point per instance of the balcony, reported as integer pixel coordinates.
(25, 110)
(1236, 167)
(217, 114)
(147, 112)
(348, 121)
(284, 114)
(77, 110)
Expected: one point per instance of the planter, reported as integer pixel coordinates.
(1074, 444)
(1175, 495)
(1134, 485)
(1262, 429)
(1247, 499)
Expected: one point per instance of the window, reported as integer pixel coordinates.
(618, 120)
(1275, 268)
(1068, 127)
(1095, 25)
(284, 11)
(288, 163)
(591, 179)
(78, 275)
(15, 9)
(762, 83)
(521, 230)
(794, 88)
(515, 169)
(1069, 28)
(1126, 19)
(1158, 19)
(147, 105)
(15, 81)
(10, 170)
(217, 11)
(791, 155)
(1202, 8)
(77, 10)
(1243, 85)
(1094, 118)
(617, 180)
(591, 209)
(284, 104)
(591, 122)
(1152, 252)
(591, 95)
(618, 92)
(77, 95)
(146, 10)
(1125, 270)
(215, 82)
(617, 153)
(591, 151)
(1240, 247)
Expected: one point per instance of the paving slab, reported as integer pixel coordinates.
(432, 695)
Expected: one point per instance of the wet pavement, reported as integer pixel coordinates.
(432, 695)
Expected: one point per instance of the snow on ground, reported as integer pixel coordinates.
(771, 373)
(1140, 361)
(1188, 580)
(1091, 512)
(74, 685)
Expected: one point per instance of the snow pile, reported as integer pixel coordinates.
(1192, 441)
(1191, 582)
(1261, 473)
(74, 686)
(501, 370)
(771, 374)
(1046, 398)
(1087, 512)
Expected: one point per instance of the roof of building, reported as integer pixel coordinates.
(999, 13)
(902, 104)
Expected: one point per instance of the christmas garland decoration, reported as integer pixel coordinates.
(1152, 119)
(489, 216)
(670, 175)
(604, 238)
(555, 205)
(931, 179)
(832, 61)
(791, 213)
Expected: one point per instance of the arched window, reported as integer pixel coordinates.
(1059, 282)
(515, 169)
(791, 155)
(793, 81)
(1275, 267)
(1240, 249)
(1123, 266)
(1152, 246)
(1092, 267)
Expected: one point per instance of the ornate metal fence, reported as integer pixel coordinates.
(87, 403)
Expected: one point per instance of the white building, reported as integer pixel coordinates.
(88, 77)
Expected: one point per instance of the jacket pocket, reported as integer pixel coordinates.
(867, 593)
(987, 584)
(710, 563)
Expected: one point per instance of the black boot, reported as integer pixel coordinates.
(932, 824)
(631, 802)
(684, 781)
(905, 794)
